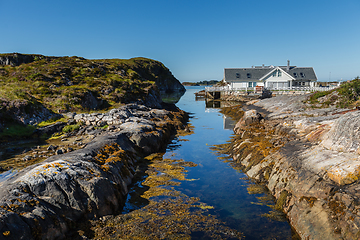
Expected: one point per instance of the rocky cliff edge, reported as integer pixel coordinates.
(308, 159)
(50, 199)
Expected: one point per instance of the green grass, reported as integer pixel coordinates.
(63, 83)
(70, 128)
(104, 127)
(347, 96)
(51, 121)
(350, 92)
(316, 95)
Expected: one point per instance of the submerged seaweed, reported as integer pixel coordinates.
(168, 214)
(172, 218)
(258, 147)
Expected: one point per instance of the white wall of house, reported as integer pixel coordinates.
(246, 84)
(278, 84)
(238, 85)
(278, 79)
(282, 78)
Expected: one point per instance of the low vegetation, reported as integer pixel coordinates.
(70, 128)
(42, 86)
(346, 96)
(74, 83)
(51, 121)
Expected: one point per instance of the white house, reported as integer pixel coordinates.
(270, 76)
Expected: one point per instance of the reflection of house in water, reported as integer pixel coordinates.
(220, 104)
(213, 106)
(228, 123)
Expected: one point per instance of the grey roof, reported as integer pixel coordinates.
(255, 73)
(299, 73)
(302, 73)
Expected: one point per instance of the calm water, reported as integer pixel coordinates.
(218, 184)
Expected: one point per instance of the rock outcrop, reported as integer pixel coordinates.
(156, 71)
(49, 199)
(56, 85)
(15, 59)
(25, 112)
(250, 117)
(309, 160)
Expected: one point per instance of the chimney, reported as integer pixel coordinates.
(288, 66)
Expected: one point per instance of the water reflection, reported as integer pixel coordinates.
(236, 200)
(229, 123)
(173, 97)
(213, 104)
(7, 175)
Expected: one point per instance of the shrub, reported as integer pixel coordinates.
(350, 91)
(70, 128)
(51, 121)
(316, 95)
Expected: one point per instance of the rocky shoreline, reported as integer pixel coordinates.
(49, 199)
(308, 159)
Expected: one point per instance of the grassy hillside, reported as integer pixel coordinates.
(346, 96)
(40, 86)
(68, 83)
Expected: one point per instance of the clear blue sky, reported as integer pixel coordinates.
(196, 40)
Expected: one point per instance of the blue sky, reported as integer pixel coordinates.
(196, 40)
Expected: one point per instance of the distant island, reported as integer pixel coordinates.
(201, 83)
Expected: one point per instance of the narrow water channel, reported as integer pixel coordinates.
(218, 184)
(232, 197)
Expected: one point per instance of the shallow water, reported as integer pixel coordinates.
(217, 183)
(235, 202)
(7, 174)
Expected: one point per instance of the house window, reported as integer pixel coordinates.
(237, 75)
(250, 84)
(295, 75)
(248, 75)
(276, 73)
(254, 84)
(302, 75)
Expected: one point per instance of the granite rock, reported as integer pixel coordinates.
(314, 170)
